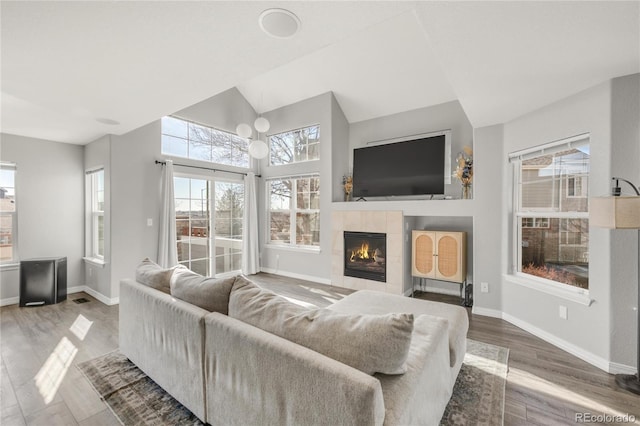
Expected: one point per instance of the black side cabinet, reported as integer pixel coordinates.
(43, 281)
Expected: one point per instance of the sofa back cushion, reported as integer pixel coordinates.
(208, 293)
(369, 343)
(155, 276)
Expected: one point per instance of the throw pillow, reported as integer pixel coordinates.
(155, 276)
(370, 343)
(208, 293)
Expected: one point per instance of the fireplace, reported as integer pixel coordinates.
(365, 255)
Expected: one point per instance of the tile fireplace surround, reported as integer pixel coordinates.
(389, 222)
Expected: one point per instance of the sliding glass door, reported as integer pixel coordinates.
(209, 217)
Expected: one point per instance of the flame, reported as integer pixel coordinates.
(361, 253)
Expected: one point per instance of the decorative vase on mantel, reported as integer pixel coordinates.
(467, 192)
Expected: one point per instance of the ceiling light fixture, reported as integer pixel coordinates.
(279, 23)
(257, 148)
(107, 121)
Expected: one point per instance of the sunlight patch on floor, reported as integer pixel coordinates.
(558, 392)
(52, 373)
(80, 327)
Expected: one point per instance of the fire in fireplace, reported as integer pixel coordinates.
(365, 255)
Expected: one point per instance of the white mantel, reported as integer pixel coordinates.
(411, 207)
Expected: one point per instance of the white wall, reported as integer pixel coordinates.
(312, 265)
(587, 329)
(136, 181)
(445, 116)
(489, 258)
(625, 136)
(50, 202)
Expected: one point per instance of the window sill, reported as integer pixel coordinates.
(574, 295)
(10, 266)
(303, 249)
(93, 261)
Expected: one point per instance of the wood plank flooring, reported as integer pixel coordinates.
(40, 385)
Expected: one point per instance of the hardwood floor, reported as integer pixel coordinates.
(40, 385)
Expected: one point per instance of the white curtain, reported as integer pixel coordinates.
(167, 251)
(250, 246)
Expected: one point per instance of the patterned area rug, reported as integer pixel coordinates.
(478, 395)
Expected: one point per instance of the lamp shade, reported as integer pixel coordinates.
(615, 212)
(258, 149)
(262, 124)
(244, 130)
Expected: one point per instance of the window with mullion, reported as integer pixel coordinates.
(95, 214)
(294, 223)
(182, 138)
(8, 214)
(551, 214)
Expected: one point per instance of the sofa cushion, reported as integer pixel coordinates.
(370, 343)
(207, 293)
(155, 276)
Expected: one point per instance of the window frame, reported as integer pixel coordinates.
(15, 257)
(188, 123)
(211, 234)
(319, 144)
(541, 214)
(93, 215)
(293, 211)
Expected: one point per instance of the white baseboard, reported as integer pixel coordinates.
(71, 290)
(595, 360)
(486, 312)
(101, 297)
(298, 276)
(574, 350)
(9, 301)
(617, 368)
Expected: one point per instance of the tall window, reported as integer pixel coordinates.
(95, 214)
(8, 218)
(209, 224)
(551, 212)
(295, 146)
(294, 211)
(182, 138)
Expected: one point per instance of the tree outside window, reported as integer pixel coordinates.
(294, 221)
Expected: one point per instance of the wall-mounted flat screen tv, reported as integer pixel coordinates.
(412, 167)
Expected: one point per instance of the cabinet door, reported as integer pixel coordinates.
(422, 254)
(450, 263)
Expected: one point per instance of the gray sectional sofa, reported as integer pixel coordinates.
(266, 361)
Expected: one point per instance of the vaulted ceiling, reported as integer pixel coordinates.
(74, 71)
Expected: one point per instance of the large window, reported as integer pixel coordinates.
(209, 224)
(8, 218)
(295, 146)
(95, 214)
(551, 212)
(294, 211)
(182, 138)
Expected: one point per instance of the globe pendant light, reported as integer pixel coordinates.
(257, 148)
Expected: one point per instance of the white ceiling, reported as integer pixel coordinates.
(67, 64)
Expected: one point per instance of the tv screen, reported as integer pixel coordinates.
(414, 167)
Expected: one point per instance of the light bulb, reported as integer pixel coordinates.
(244, 130)
(261, 124)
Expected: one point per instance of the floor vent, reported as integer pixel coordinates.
(81, 300)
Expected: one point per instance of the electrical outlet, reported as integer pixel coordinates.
(484, 287)
(149, 221)
(564, 314)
